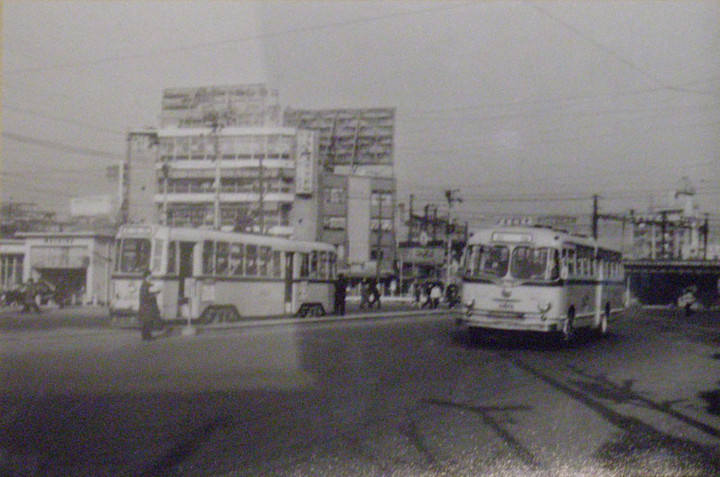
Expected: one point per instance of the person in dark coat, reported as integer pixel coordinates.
(375, 293)
(340, 292)
(148, 311)
(29, 294)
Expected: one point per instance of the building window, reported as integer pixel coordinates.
(334, 195)
(335, 223)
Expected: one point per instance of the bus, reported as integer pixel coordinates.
(216, 276)
(541, 280)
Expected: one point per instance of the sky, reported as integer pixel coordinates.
(524, 107)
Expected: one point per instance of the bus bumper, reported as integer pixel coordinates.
(526, 322)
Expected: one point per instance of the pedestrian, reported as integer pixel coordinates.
(375, 292)
(29, 297)
(148, 311)
(435, 295)
(416, 290)
(364, 294)
(340, 293)
(424, 298)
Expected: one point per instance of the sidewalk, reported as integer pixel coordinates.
(98, 317)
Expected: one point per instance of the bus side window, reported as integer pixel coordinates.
(251, 256)
(570, 262)
(222, 253)
(554, 264)
(236, 259)
(208, 257)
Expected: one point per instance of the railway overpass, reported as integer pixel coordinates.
(661, 282)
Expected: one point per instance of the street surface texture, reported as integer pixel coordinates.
(402, 396)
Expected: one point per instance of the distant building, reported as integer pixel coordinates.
(77, 264)
(357, 184)
(358, 214)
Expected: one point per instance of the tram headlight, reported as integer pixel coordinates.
(544, 306)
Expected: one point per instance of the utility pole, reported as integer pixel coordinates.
(595, 217)
(452, 196)
(261, 188)
(215, 125)
(410, 219)
(378, 249)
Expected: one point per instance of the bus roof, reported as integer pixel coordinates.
(191, 234)
(538, 236)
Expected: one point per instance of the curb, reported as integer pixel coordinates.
(322, 319)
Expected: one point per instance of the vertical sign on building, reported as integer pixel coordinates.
(306, 158)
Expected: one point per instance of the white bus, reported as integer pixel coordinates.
(209, 276)
(539, 279)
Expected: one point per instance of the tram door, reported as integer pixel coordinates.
(185, 272)
(289, 259)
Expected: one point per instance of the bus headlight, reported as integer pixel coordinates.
(544, 306)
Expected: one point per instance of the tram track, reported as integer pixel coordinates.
(638, 432)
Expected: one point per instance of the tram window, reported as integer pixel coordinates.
(134, 255)
(314, 265)
(208, 257)
(221, 258)
(304, 268)
(157, 255)
(277, 264)
(333, 265)
(236, 259)
(251, 256)
(322, 265)
(172, 257)
(264, 261)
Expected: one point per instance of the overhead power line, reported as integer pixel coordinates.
(64, 120)
(59, 146)
(200, 46)
(610, 52)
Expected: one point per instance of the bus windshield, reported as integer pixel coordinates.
(487, 261)
(133, 255)
(530, 263)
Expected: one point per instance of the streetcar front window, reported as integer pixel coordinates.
(133, 255)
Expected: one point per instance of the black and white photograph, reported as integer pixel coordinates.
(360, 238)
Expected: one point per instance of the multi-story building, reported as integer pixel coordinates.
(222, 159)
(225, 157)
(357, 214)
(357, 185)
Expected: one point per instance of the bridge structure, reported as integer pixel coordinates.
(663, 281)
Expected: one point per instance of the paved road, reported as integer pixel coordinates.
(401, 396)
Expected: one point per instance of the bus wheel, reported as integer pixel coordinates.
(568, 331)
